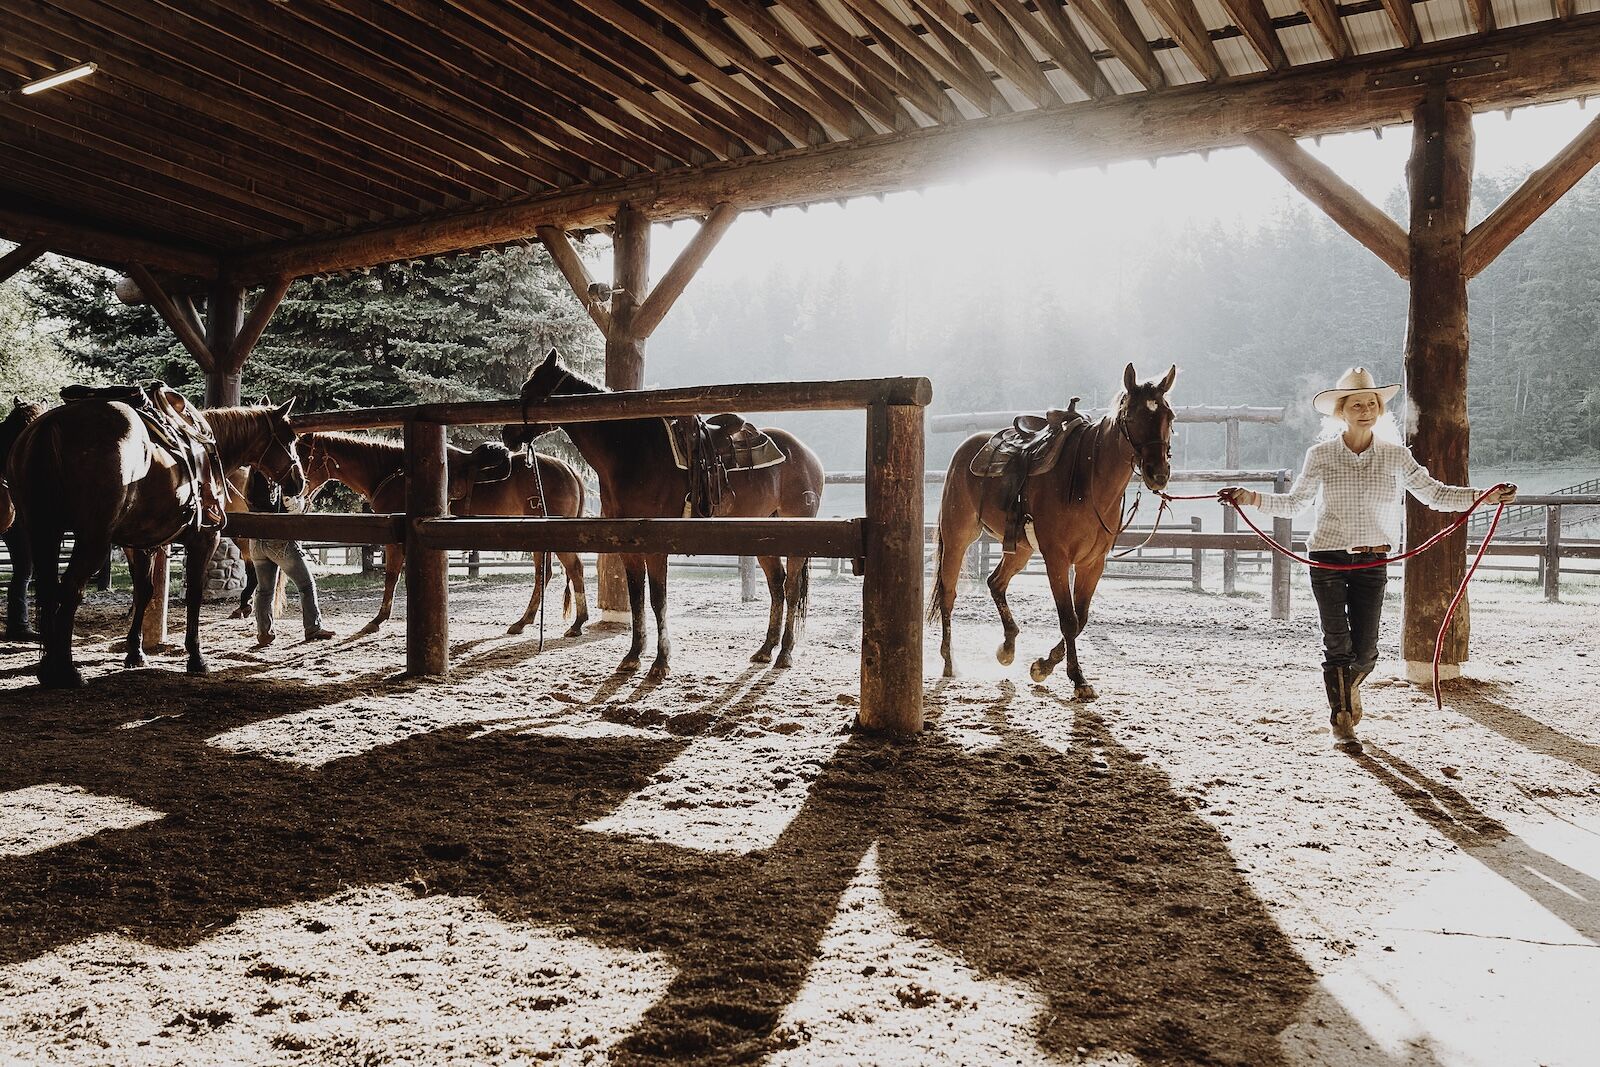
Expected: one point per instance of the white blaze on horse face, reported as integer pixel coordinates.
(1153, 405)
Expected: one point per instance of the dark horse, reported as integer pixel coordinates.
(640, 480)
(17, 628)
(374, 469)
(1075, 511)
(92, 468)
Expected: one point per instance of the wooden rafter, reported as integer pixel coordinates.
(1404, 20)
(179, 316)
(979, 92)
(1325, 19)
(1002, 50)
(1251, 17)
(666, 292)
(1127, 44)
(1483, 15)
(20, 258)
(1061, 42)
(571, 266)
(1181, 20)
(255, 324)
(913, 85)
(1543, 187)
(1539, 64)
(964, 58)
(1342, 203)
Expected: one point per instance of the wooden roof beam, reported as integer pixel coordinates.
(101, 246)
(20, 258)
(1483, 15)
(963, 57)
(666, 292)
(979, 91)
(1251, 17)
(1004, 51)
(255, 324)
(1342, 203)
(1325, 19)
(1192, 37)
(1404, 20)
(571, 266)
(1123, 37)
(1522, 208)
(179, 317)
(1062, 43)
(1540, 63)
(914, 85)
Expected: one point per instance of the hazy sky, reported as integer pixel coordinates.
(1053, 217)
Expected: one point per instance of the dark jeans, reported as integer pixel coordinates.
(1351, 603)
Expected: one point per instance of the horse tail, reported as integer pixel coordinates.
(937, 597)
(803, 589)
(566, 596)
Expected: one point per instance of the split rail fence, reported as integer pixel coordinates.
(885, 545)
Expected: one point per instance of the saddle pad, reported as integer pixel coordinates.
(1034, 441)
(740, 445)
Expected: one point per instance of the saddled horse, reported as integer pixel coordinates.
(1075, 509)
(93, 467)
(17, 628)
(639, 479)
(374, 469)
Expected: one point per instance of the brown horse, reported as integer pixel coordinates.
(639, 480)
(91, 467)
(374, 469)
(1075, 511)
(17, 628)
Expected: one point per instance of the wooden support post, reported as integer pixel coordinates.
(1198, 560)
(625, 356)
(20, 257)
(1283, 533)
(1541, 189)
(180, 318)
(427, 569)
(1230, 517)
(1440, 179)
(155, 616)
(892, 596)
(750, 579)
(224, 320)
(1552, 553)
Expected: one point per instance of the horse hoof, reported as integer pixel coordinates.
(1040, 670)
(197, 666)
(516, 627)
(761, 655)
(130, 662)
(1085, 693)
(629, 665)
(949, 670)
(658, 671)
(575, 630)
(785, 661)
(1006, 653)
(53, 677)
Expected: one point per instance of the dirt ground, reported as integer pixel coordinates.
(306, 858)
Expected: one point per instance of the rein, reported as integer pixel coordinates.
(1454, 525)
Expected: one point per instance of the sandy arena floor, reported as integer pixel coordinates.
(305, 858)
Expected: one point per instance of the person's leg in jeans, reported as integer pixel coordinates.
(266, 569)
(298, 569)
(1333, 593)
(1366, 612)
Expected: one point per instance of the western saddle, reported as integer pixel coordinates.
(709, 448)
(1031, 445)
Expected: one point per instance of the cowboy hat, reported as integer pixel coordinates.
(1354, 380)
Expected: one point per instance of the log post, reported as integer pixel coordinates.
(1283, 533)
(750, 579)
(155, 616)
(1440, 178)
(1230, 517)
(224, 320)
(427, 569)
(1552, 553)
(625, 355)
(891, 598)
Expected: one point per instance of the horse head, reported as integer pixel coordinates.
(22, 412)
(1146, 421)
(278, 458)
(550, 378)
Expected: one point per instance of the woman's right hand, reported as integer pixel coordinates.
(1237, 494)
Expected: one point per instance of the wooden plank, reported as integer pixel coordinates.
(331, 527)
(427, 568)
(980, 92)
(1326, 20)
(1531, 199)
(1061, 42)
(1440, 176)
(1540, 64)
(824, 538)
(1022, 70)
(1123, 37)
(182, 323)
(841, 395)
(1404, 20)
(913, 84)
(1251, 17)
(20, 258)
(963, 57)
(1483, 15)
(571, 266)
(892, 599)
(666, 292)
(1341, 201)
(1183, 23)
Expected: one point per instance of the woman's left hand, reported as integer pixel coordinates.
(1506, 494)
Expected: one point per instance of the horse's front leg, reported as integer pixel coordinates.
(796, 591)
(141, 567)
(772, 567)
(1010, 565)
(657, 568)
(576, 594)
(1085, 579)
(198, 550)
(394, 561)
(633, 569)
(1060, 572)
(541, 576)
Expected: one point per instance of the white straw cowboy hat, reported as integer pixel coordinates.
(1354, 380)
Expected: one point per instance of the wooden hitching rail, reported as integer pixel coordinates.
(887, 543)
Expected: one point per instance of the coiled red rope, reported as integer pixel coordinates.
(1455, 524)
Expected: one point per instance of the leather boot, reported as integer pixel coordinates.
(1336, 681)
(1356, 676)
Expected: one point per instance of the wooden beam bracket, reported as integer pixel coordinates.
(1438, 74)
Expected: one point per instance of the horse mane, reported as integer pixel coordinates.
(372, 444)
(232, 427)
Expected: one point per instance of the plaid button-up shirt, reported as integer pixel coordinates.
(1361, 493)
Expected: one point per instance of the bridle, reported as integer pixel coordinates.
(1127, 519)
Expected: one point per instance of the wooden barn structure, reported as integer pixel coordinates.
(227, 147)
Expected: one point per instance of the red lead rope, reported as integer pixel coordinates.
(1456, 524)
